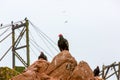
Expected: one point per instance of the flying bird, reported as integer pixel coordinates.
(96, 71)
(43, 56)
(63, 43)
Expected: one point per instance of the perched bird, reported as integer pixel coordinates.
(43, 56)
(96, 71)
(63, 43)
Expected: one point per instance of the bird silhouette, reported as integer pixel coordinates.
(43, 56)
(96, 71)
(63, 43)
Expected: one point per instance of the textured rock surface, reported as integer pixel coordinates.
(34, 71)
(82, 72)
(62, 67)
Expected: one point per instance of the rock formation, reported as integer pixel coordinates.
(62, 67)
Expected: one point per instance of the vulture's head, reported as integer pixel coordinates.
(60, 35)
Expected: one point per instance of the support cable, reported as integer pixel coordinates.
(43, 34)
(5, 31)
(8, 25)
(45, 43)
(5, 26)
(39, 47)
(24, 40)
(33, 51)
(20, 36)
(5, 37)
(5, 53)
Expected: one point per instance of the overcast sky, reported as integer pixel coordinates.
(92, 27)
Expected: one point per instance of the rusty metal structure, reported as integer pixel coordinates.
(16, 40)
(106, 71)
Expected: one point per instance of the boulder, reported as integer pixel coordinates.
(62, 66)
(32, 76)
(82, 72)
(34, 71)
(39, 66)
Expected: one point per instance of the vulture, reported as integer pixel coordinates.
(96, 71)
(63, 43)
(43, 56)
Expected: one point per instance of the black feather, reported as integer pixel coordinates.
(63, 44)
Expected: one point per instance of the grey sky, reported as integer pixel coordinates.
(92, 27)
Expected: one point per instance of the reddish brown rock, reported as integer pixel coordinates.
(39, 66)
(34, 71)
(62, 66)
(97, 78)
(82, 72)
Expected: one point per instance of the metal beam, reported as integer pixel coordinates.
(13, 44)
(27, 43)
(110, 75)
(21, 59)
(105, 71)
(20, 47)
(20, 37)
(16, 41)
(19, 25)
(119, 71)
(115, 72)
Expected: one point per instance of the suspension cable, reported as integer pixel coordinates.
(5, 26)
(47, 46)
(24, 40)
(5, 31)
(5, 53)
(5, 37)
(33, 50)
(8, 25)
(34, 43)
(45, 42)
(39, 47)
(43, 34)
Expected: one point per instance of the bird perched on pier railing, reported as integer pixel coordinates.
(63, 43)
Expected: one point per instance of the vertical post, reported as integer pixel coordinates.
(13, 49)
(119, 71)
(103, 67)
(27, 43)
